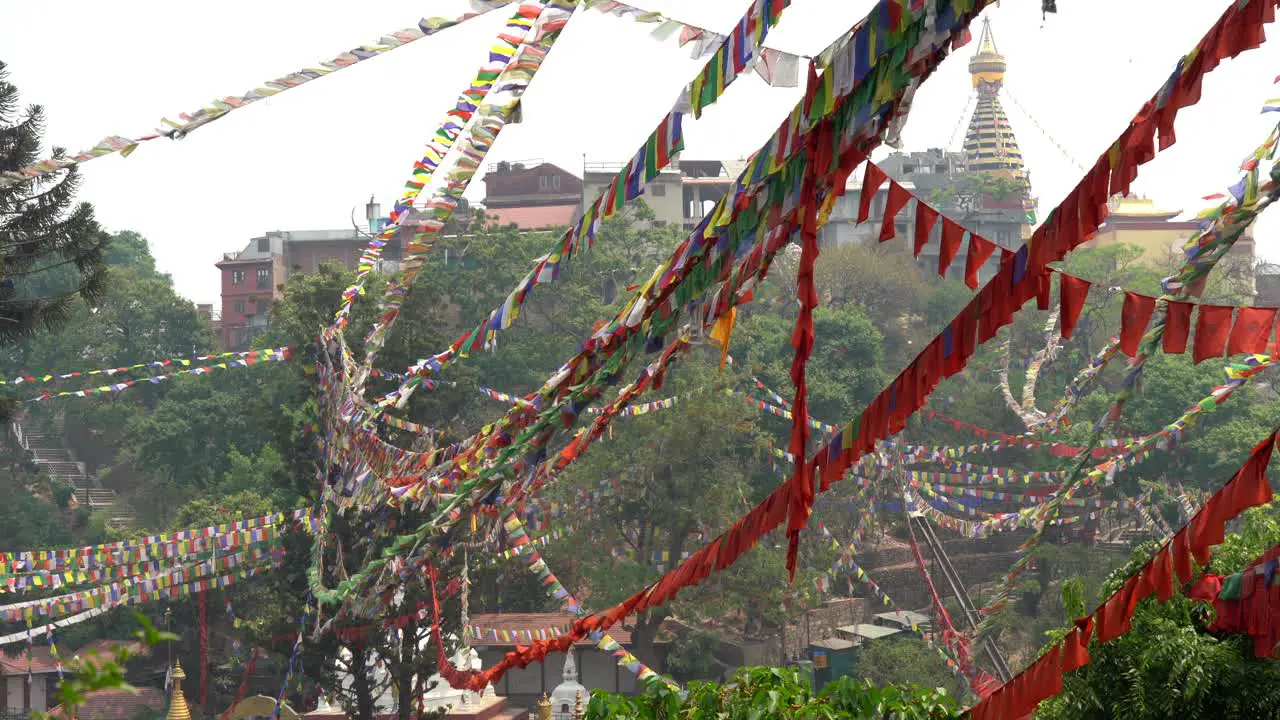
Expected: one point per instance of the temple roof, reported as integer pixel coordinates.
(1140, 209)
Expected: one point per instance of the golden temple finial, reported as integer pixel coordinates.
(578, 712)
(544, 708)
(987, 66)
(178, 709)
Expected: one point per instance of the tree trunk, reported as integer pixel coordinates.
(360, 684)
(404, 670)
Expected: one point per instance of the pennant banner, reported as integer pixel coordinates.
(188, 122)
(182, 362)
(259, 356)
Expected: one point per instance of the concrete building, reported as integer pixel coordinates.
(1267, 284)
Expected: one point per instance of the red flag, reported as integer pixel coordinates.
(926, 217)
(898, 197)
(980, 250)
(1074, 291)
(1213, 326)
(1133, 321)
(1251, 331)
(952, 234)
(871, 183)
(1177, 327)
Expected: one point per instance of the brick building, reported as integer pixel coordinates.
(537, 195)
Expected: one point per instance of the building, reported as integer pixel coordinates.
(985, 188)
(537, 195)
(532, 195)
(1139, 222)
(1267, 284)
(29, 687)
(593, 668)
(253, 279)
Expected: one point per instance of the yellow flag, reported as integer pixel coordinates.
(722, 332)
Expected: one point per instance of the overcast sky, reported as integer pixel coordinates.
(306, 158)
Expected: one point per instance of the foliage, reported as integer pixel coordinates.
(1168, 665)
(997, 186)
(771, 693)
(52, 252)
(692, 657)
(904, 660)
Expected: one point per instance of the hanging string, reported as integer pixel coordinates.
(204, 649)
(1027, 114)
(964, 113)
(53, 650)
(30, 640)
(294, 659)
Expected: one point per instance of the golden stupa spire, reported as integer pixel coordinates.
(544, 708)
(178, 709)
(989, 143)
(987, 65)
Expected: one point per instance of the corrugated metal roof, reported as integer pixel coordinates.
(870, 632)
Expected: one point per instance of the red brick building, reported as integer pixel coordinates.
(532, 195)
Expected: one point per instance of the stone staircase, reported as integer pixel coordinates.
(54, 458)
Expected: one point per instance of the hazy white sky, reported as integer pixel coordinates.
(307, 158)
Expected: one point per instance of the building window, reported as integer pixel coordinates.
(549, 182)
(264, 244)
(237, 277)
(264, 277)
(240, 307)
(658, 190)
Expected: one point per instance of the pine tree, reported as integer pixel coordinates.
(51, 249)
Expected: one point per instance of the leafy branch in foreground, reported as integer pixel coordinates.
(773, 693)
(92, 673)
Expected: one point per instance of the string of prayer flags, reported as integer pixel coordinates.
(1222, 227)
(402, 221)
(1017, 281)
(177, 582)
(891, 79)
(737, 54)
(259, 356)
(663, 144)
(1171, 434)
(188, 122)
(488, 120)
(675, 280)
(138, 549)
(182, 362)
(1171, 564)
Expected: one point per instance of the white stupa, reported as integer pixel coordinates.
(565, 697)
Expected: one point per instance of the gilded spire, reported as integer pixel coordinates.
(178, 709)
(989, 144)
(544, 708)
